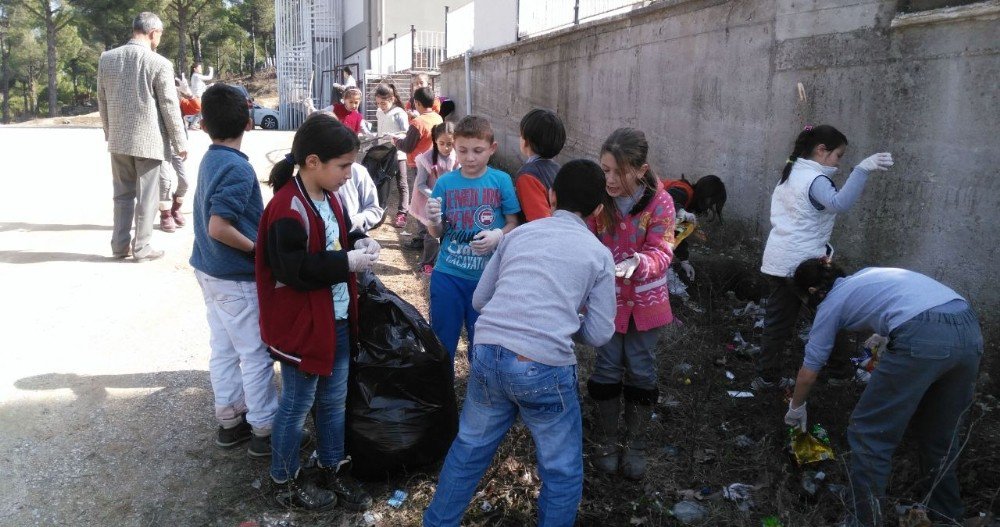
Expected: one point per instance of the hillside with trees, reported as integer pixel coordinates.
(49, 48)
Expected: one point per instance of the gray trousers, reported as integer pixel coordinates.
(136, 182)
(629, 359)
(406, 176)
(927, 376)
(167, 172)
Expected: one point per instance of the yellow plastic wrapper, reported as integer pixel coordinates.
(808, 449)
(683, 231)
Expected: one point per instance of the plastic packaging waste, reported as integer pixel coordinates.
(688, 512)
(808, 449)
(401, 407)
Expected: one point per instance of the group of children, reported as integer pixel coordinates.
(527, 265)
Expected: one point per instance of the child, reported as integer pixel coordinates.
(478, 205)
(393, 123)
(171, 218)
(227, 209)
(431, 165)
(927, 376)
(804, 207)
(347, 111)
(199, 81)
(360, 199)
(542, 138)
(418, 139)
(541, 276)
(417, 81)
(306, 260)
(638, 227)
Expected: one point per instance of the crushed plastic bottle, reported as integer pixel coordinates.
(820, 433)
(688, 512)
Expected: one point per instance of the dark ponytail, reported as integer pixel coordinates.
(321, 134)
(388, 91)
(809, 138)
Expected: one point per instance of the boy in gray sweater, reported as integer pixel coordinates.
(548, 283)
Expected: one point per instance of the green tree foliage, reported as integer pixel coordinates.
(49, 48)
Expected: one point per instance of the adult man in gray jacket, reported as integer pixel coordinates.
(142, 122)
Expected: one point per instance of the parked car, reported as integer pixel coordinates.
(265, 118)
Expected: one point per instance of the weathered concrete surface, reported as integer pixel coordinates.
(714, 85)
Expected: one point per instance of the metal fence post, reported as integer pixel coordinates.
(413, 47)
(576, 12)
(445, 32)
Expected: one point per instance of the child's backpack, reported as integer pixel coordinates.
(381, 163)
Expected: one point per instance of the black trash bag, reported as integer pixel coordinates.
(401, 407)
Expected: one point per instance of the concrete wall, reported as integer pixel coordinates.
(715, 86)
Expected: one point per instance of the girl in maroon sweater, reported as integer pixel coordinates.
(306, 257)
(347, 111)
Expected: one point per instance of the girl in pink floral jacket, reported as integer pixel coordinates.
(637, 226)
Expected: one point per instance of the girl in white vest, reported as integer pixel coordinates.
(803, 209)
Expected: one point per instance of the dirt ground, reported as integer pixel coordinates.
(106, 408)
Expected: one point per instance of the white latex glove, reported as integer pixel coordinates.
(486, 241)
(796, 416)
(688, 270)
(369, 245)
(433, 211)
(626, 267)
(685, 216)
(359, 261)
(880, 161)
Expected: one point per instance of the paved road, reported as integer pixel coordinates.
(105, 404)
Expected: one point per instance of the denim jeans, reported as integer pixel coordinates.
(240, 367)
(501, 388)
(926, 375)
(298, 393)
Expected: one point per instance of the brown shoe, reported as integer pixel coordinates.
(175, 212)
(167, 221)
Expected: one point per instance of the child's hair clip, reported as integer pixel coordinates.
(807, 127)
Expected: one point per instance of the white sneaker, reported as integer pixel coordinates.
(862, 376)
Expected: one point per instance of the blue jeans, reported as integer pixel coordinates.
(501, 387)
(298, 393)
(926, 376)
(451, 308)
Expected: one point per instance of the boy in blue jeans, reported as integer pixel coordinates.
(531, 294)
(227, 209)
(472, 207)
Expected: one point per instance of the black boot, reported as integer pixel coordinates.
(350, 494)
(606, 449)
(298, 493)
(638, 413)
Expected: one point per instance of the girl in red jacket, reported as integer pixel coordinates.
(638, 227)
(306, 257)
